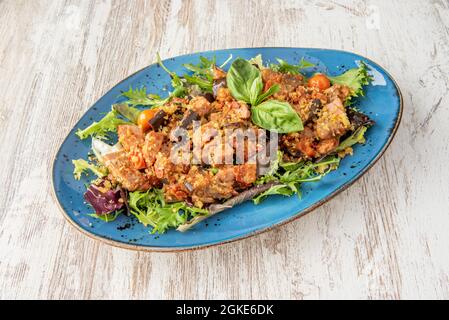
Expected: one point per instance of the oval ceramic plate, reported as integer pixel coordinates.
(383, 103)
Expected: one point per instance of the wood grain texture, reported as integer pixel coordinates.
(385, 237)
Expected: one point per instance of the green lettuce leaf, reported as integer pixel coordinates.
(100, 129)
(357, 137)
(130, 113)
(284, 67)
(82, 166)
(107, 217)
(179, 89)
(257, 61)
(203, 74)
(139, 97)
(291, 175)
(151, 209)
(355, 79)
(281, 189)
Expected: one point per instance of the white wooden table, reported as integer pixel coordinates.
(385, 237)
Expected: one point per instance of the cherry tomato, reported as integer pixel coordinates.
(319, 81)
(144, 117)
(137, 160)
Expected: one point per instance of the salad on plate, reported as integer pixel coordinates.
(220, 138)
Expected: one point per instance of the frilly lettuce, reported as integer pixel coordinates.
(355, 79)
(151, 209)
(82, 166)
(100, 129)
(290, 175)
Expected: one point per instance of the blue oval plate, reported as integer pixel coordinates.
(383, 103)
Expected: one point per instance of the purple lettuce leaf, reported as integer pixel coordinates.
(105, 200)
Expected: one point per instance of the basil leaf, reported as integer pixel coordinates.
(276, 116)
(244, 81)
(272, 90)
(256, 89)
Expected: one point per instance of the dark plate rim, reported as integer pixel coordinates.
(296, 216)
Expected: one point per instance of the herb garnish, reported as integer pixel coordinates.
(245, 83)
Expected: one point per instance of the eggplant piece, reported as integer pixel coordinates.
(293, 152)
(358, 119)
(188, 119)
(316, 105)
(209, 96)
(220, 83)
(219, 207)
(188, 186)
(158, 120)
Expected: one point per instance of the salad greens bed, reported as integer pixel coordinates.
(244, 81)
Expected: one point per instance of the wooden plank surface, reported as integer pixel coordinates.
(385, 237)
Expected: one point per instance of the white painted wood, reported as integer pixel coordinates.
(385, 237)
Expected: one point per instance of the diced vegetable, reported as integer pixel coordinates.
(220, 83)
(188, 118)
(143, 121)
(319, 81)
(158, 120)
(137, 160)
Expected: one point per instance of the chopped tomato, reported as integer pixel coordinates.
(319, 81)
(136, 158)
(144, 117)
